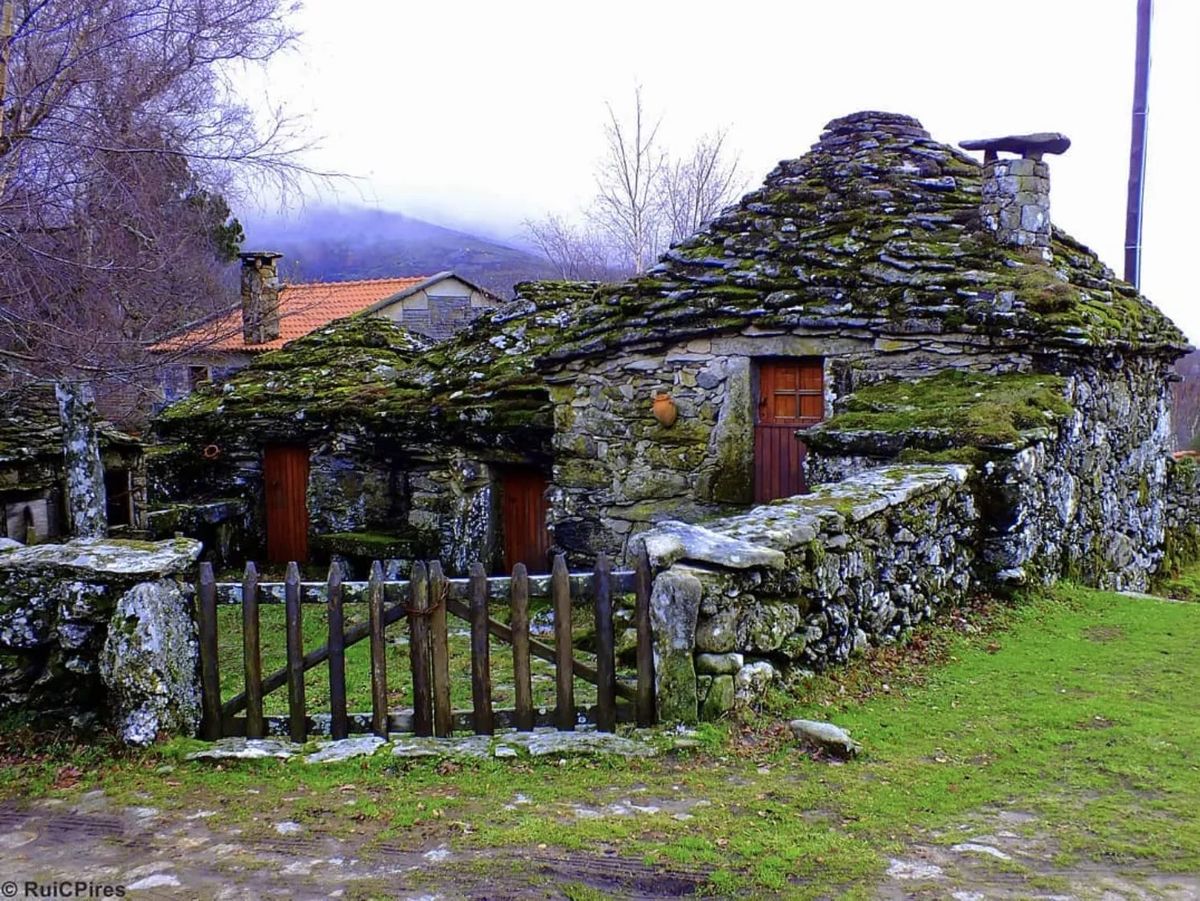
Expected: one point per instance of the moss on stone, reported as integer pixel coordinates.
(367, 545)
(368, 375)
(976, 410)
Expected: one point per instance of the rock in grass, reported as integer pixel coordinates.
(346, 749)
(247, 749)
(826, 737)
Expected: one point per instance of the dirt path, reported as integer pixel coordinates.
(154, 855)
(178, 855)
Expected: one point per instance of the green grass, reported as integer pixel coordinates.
(314, 622)
(1183, 585)
(1079, 707)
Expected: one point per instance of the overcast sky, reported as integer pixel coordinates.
(480, 114)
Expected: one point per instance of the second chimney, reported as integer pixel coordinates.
(1016, 192)
(260, 296)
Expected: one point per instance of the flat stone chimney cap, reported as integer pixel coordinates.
(249, 256)
(1028, 146)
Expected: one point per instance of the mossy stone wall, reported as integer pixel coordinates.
(744, 602)
(1181, 541)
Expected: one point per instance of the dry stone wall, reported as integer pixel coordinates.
(618, 470)
(804, 583)
(1181, 539)
(100, 629)
(1089, 502)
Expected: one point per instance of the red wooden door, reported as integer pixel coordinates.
(526, 539)
(791, 394)
(285, 476)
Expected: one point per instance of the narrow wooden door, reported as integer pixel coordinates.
(791, 394)
(523, 501)
(285, 476)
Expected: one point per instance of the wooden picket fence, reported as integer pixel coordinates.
(425, 600)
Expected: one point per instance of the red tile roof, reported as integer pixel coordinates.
(304, 308)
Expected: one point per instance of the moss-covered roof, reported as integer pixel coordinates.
(368, 375)
(952, 411)
(876, 231)
(30, 429)
(877, 228)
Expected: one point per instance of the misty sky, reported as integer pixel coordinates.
(480, 114)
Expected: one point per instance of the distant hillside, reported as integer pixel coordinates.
(339, 244)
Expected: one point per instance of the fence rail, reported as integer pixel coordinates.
(424, 601)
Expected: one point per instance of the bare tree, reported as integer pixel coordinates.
(626, 204)
(693, 189)
(120, 130)
(645, 199)
(576, 252)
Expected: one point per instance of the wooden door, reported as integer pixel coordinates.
(791, 394)
(285, 477)
(523, 501)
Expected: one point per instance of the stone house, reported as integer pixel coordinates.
(33, 507)
(883, 299)
(270, 315)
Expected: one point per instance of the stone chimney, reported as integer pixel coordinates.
(260, 296)
(1016, 192)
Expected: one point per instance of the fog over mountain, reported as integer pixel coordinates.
(337, 244)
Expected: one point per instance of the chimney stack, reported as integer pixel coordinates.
(1016, 192)
(260, 296)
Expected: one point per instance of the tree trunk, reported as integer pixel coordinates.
(87, 512)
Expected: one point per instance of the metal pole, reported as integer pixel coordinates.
(1137, 147)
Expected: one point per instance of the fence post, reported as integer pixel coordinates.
(297, 716)
(418, 651)
(564, 670)
(379, 713)
(439, 591)
(481, 667)
(339, 723)
(210, 679)
(252, 654)
(606, 664)
(645, 641)
(522, 678)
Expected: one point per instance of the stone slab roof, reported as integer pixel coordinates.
(30, 429)
(370, 376)
(876, 230)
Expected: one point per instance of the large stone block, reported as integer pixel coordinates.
(149, 662)
(674, 608)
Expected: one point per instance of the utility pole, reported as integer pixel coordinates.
(1137, 147)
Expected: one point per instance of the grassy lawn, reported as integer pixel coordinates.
(358, 662)
(1077, 707)
(1184, 585)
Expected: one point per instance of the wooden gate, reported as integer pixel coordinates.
(791, 394)
(285, 481)
(523, 500)
(424, 601)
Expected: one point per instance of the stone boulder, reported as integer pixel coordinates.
(148, 663)
(825, 737)
(57, 604)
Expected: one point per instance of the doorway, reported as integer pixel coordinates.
(523, 519)
(791, 395)
(285, 486)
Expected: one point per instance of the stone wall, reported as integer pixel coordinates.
(455, 501)
(1181, 539)
(617, 470)
(100, 630)
(804, 583)
(1089, 503)
(1082, 497)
